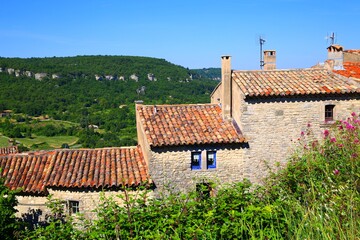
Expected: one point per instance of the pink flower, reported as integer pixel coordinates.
(349, 126)
(356, 140)
(326, 133)
(302, 133)
(340, 145)
(308, 125)
(336, 171)
(353, 114)
(333, 140)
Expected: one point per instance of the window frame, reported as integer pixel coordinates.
(213, 165)
(329, 112)
(195, 167)
(71, 205)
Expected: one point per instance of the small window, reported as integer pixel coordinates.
(73, 207)
(329, 113)
(211, 159)
(196, 160)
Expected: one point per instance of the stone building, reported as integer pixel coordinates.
(350, 60)
(253, 121)
(188, 145)
(273, 107)
(77, 177)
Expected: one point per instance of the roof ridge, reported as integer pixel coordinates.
(180, 105)
(283, 70)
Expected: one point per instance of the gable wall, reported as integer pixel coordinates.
(170, 168)
(351, 57)
(273, 127)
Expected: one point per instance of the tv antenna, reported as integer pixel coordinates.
(262, 42)
(331, 37)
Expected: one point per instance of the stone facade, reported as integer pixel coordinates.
(272, 127)
(272, 124)
(88, 200)
(170, 167)
(352, 56)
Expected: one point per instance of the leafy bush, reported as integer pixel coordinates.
(9, 227)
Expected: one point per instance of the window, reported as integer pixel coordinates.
(329, 113)
(211, 159)
(73, 207)
(195, 160)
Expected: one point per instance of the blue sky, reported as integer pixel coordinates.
(190, 33)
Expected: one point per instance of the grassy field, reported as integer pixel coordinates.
(48, 142)
(4, 141)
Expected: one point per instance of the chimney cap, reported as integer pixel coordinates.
(225, 56)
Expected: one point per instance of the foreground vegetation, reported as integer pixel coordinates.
(315, 196)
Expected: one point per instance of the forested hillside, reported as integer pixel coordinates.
(210, 73)
(88, 66)
(76, 95)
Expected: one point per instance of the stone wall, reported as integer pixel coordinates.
(170, 168)
(88, 201)
(272, 127)
(352, 57)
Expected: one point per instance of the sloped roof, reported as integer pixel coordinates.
(8, 150)
(351, 70)
(188, 124)
(84, 168)
(292, 82)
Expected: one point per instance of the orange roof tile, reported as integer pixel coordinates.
(292, 82)
(351, 70)
(8, 150)
(83, 168)
(173, 125)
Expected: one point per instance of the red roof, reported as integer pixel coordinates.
(84, 168)
(351, 70)
(292, 82)
(173, 125)
(8, 150)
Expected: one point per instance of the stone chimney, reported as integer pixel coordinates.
(335, 57)
(226, 86)
(269, 59)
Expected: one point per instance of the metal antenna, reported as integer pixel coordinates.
(262, 42)
(332, 38)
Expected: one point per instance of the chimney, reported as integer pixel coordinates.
(226, 86)
(336, 57)
(269, 59)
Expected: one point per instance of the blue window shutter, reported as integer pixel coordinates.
(195, 160)
(211, 159)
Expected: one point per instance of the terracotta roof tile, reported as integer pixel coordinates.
(351, 70)
(172, 125)
(8, 150)
(95, 168)
(291, 82)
